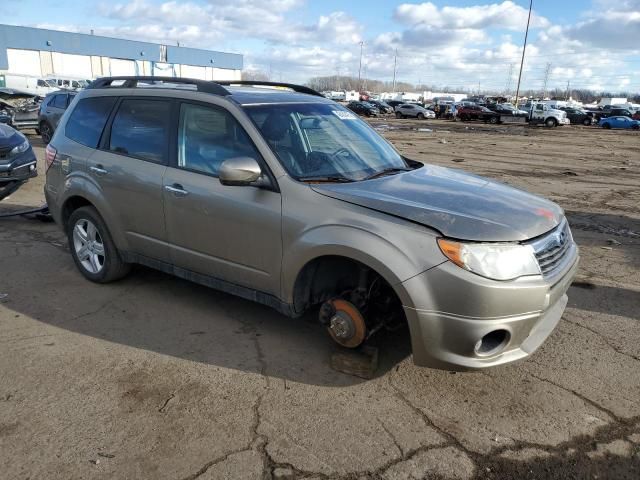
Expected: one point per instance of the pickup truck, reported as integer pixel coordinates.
(543, 114)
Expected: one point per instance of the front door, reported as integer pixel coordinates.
(129, 168)
(232, 233)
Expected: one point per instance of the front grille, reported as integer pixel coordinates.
(551, 249)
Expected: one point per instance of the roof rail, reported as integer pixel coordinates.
(204, 86)
(259, 83)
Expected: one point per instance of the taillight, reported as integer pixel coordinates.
(49, 156)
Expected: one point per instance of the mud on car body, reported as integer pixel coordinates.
(284, 197)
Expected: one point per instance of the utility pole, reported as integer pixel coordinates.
(546, 79)
(568, 89)
(360, 66)
(478, 87)
(395, 64)
(524, 48)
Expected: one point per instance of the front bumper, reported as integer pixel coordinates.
(19, 168)
(564, 121)
(457, 309)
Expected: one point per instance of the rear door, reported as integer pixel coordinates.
(55, 108)
(129, 167)
(231, 233)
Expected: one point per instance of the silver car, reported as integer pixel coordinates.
(412, 110)
(286, 198)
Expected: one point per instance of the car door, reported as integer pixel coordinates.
(129, 167)
(232, 233)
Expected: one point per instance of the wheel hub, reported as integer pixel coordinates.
(341, 325)
(344, 322)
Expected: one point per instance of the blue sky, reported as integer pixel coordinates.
(591, 43)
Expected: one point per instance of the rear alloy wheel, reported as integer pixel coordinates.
(92, 247)
(586, 122)
(46, 132)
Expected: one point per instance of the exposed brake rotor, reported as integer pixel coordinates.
(345, 322)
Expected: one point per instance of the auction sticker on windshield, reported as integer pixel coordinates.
(341, 114)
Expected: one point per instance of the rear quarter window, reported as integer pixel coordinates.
(87, 121)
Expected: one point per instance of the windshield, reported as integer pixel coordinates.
(315, 140)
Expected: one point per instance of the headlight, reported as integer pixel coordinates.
(496, 261)
(23, 147)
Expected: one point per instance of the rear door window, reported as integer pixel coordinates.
(59, 101)
(140, 129)
(88, 119)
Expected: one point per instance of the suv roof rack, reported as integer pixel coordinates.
(259, 83)
(204, 86)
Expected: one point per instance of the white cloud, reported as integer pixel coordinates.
(496, 15)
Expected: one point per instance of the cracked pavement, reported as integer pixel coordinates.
(155, 377)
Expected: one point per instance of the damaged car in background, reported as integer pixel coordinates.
(17, 160)
(20, 109)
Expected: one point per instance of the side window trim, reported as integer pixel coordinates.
(105, 138)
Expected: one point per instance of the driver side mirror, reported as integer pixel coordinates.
(240, 171)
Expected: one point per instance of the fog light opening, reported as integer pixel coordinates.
(492, 343)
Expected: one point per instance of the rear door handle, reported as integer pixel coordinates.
(98, 170)
(176, 189)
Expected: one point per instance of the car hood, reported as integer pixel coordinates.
(457, 204)
(9, 137)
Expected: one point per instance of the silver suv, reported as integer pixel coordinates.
(286, 198)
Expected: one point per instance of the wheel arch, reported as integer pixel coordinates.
(84, 192)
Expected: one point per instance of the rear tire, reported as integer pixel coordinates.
(420, 116)
(493, 120)
(46, 132)
(586, 122)
(92, 248)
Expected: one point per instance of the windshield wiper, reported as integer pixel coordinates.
(328, 178)
(386, 171)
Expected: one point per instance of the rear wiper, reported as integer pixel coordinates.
(329, 178)
(386, 171)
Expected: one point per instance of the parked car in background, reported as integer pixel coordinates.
(289, 199)
(22, 106)
(17, 160)
(507, 109)
(51, 110)
(394, 103)
(477, 112)
(578, 116)
(619, 122)
(382, 106)
(363, 108)
(412, 110)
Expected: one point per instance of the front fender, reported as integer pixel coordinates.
(394, 261)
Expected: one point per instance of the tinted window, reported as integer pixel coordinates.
(41, 83)
(87, 120)
(59, 101)
(140, 129)
(208, 136)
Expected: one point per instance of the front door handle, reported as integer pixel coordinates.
(177, 190)
(98, 170)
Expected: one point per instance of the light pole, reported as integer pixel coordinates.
(360, 66)
(524, 48)
(395, 64)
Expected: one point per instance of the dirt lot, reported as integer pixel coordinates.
(154, 377)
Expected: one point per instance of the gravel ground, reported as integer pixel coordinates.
(155, 377)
